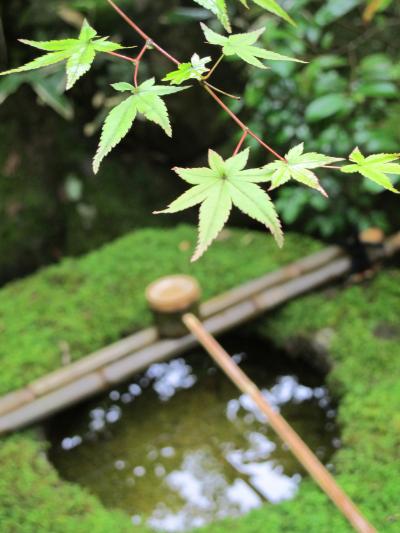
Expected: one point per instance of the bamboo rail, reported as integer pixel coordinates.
(117, 351)
(298, 447)
(118, 362)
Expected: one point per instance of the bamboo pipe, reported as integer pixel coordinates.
(299, 448)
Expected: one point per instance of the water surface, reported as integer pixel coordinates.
(178, 446)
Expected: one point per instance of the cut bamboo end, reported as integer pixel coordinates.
(373, 240)
(171, 297)
(372, 237)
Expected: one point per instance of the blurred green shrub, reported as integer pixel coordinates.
(348, 94)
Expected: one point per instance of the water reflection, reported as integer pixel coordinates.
(179, 447)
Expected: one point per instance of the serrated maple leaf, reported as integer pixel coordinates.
(217, 187)
(298, 166)
(241, 45)
(79, 53)
(145, 99)
(219, 8)
(273, 7)
(187, 71)
(374, 167)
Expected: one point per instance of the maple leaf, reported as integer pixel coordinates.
(241, 45)
(79, 53)
(297, 166)
(217, 187)
(374, 167)
(145, 99)
(273, 7)
(218, 7)
(186, 71)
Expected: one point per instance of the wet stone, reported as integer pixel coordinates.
(188, 448)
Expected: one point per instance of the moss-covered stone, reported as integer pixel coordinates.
(95, 300)
(366, 377)
(90, 302)
(34, 499)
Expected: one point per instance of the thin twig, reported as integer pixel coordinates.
(239, 144)
(121, 56)
(141, 33)
(138, 59)
(206, 86)
(211, 72)
(221, 91)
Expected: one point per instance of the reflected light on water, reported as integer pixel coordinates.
(180, 447)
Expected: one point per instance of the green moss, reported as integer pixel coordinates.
(366, 354)
(33, 499)
(90, 302)
(95, 300)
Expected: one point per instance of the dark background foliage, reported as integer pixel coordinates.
(51, 204)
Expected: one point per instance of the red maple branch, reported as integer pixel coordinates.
(121, 56)
(141, 33)
(210, 91)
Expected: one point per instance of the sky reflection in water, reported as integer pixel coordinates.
(179, 447)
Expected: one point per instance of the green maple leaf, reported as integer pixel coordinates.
(374, 167)
(298, 166)
(241, 45)
(218, 7)
(217, 187)
(273, 7)
(145, 99)
(187, 71)
(79, 53)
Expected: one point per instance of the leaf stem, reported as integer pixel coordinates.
(138, 59)
(334, 167)
(205, 85)
(142, 33)
(220, 90)
(121, 56)
(211, 72)
(241, 141)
